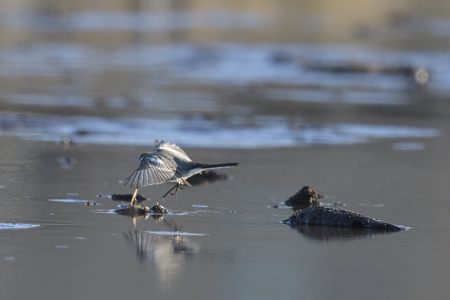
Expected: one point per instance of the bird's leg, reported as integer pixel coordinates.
(176, 186)
(133, 198)
(179, 187)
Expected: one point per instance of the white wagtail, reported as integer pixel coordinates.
(167, 163)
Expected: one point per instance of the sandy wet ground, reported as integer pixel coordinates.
(232, 244)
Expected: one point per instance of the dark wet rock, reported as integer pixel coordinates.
(206, 177)
(127, 197)
(305, 197)
(333, 217)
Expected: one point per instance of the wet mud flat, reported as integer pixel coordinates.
(224, 227)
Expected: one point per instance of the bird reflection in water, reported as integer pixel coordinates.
(138, 218)
(167, 253)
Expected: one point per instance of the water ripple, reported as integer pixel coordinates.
(6, 226)
(233, 133)
(175, 233)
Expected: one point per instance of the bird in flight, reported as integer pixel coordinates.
(168, 163)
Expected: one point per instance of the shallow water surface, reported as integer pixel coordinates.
(232, 244)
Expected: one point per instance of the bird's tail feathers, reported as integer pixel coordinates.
(217, 166)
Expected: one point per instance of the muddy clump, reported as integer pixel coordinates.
(141, 210)
(305, 197)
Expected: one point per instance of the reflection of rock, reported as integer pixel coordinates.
(206, 177)
(322, 233)
(127, 197)
(332, 217)
(306, 196)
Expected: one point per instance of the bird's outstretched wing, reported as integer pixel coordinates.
(170, 150)
(151, 171)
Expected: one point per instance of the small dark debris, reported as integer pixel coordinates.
(281, 57)
(90, 203)
(82, 132)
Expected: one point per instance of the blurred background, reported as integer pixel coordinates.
(223, 73)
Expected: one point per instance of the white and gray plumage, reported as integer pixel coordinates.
(168, 163)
